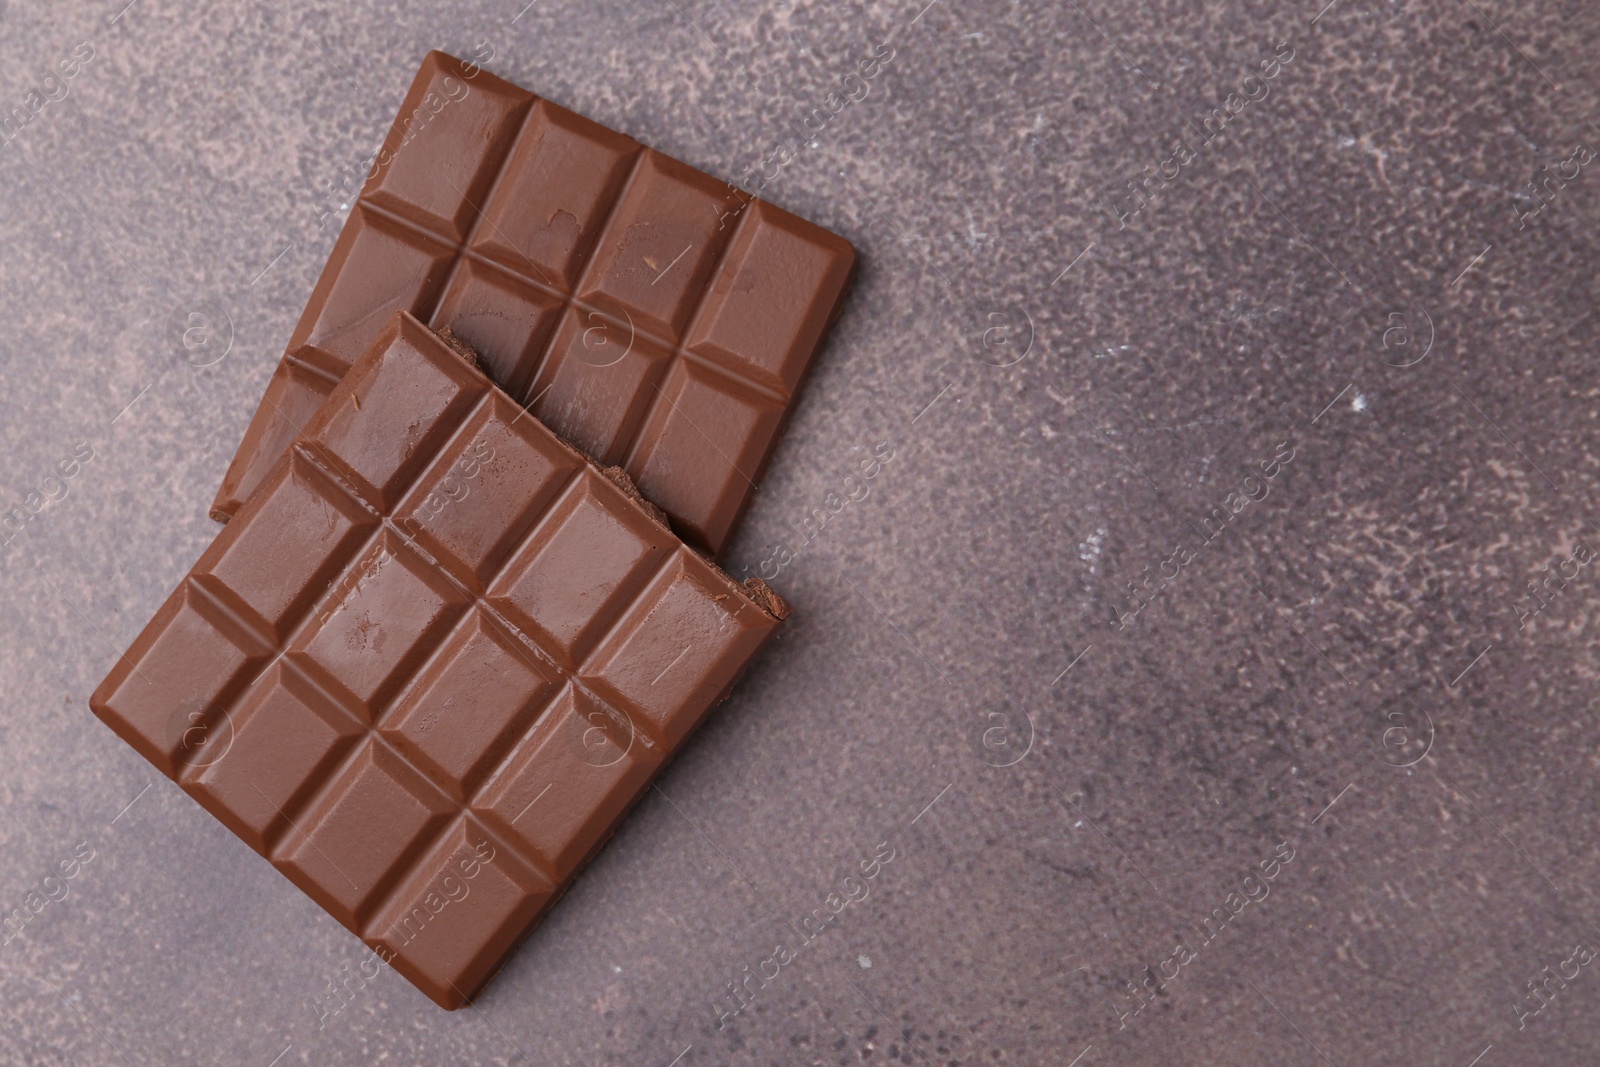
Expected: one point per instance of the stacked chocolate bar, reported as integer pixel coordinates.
(466, 605)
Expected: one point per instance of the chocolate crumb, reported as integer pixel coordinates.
(767, 600)
(458, 346)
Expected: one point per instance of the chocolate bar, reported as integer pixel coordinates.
(432, 660)
(659, 319)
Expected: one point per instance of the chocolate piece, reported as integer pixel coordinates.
(658, 318)
(431, 661)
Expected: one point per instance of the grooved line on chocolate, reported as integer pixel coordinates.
(565, 301)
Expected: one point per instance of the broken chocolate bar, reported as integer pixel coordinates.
(432, 660)
(659, 319)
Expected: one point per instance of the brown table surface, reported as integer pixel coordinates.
(1351, 666)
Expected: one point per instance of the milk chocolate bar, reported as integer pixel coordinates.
(656, 317)
(432, 660)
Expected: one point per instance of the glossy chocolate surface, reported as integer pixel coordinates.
(658, 318)
(431, 662)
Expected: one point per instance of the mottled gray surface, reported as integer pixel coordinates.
(1345, 669)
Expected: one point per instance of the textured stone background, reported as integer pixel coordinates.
(1344, 670)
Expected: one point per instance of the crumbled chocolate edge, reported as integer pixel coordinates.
(458, 346)
(767, 599)
(619, 478)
